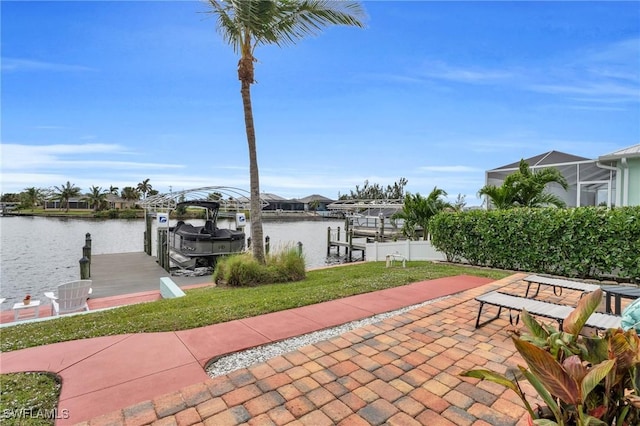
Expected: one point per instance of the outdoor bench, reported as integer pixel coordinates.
(558, 284)
(544, 309)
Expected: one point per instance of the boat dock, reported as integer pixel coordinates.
(334, 241)
(124, 273)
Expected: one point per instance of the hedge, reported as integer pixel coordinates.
(584, 242)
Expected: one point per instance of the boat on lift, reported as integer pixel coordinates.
(192, 246)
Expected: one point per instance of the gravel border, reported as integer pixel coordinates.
(229, 363)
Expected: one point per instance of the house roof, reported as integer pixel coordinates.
(573, 167)
(316, 197)
(545, 159)
(629, 152)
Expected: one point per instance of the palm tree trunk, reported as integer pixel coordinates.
(245, 74)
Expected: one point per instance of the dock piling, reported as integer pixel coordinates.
(85, 262)
(85, 266)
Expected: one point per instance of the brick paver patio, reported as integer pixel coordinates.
(401, 371)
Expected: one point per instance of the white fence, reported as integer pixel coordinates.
(411, 250)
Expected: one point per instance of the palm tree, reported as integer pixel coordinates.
(526, 188)
(502, 197)
(144, 188)
(96, 197)
(113, 190)
(31, 197)
(314, 206)
(66, 192)
(531, 186)
(247, 24)
(130, 193)
(417, 211)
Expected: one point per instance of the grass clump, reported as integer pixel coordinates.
(243, 270)
(29, 399)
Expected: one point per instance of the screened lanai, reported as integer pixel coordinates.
(590, 183)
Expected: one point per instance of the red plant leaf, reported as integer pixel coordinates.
(550, 373)
(578, 317)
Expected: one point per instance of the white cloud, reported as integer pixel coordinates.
(47, 157)
(443, 71)
(22, 65)
(605, 90)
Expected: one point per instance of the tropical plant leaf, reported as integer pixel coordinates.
(494, 377)
(576, 369)
(578, 317)
(595, 375)
(545, 422)
(592, 421)
(594, 349)
(533, 325)
(550, 373)
(543, 393)
(620, 347)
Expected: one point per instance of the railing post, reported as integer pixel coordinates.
(267, 244)
(299, 248)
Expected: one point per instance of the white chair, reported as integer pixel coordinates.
(72, 297)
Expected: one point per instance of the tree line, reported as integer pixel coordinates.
(96, 197)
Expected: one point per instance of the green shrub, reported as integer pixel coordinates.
(585, 242)
(128, 214)
(243, 270)
(107, 214)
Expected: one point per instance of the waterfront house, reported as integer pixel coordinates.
(625, 163)
(612, 179)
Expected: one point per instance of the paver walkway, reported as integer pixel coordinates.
(401, 371)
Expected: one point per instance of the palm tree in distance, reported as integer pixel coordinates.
(247, 24)
(526, 188)
(144, 188)
(113, 190)
(31, 197)
(96, 197)
(130, 193)
(65, 193)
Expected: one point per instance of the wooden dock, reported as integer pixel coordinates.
(334, 241)
(125, 273)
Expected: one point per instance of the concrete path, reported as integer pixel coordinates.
(394, 370)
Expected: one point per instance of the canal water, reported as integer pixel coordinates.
(38, 253)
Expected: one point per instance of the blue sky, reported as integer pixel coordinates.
(110, 93)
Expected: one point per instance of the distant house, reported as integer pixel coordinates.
(118, 203)
(625, 164)
(74, 203)
(591, 182)
(317, 203)
(277, 204)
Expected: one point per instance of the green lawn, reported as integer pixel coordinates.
(29, 399)
(212, 305)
